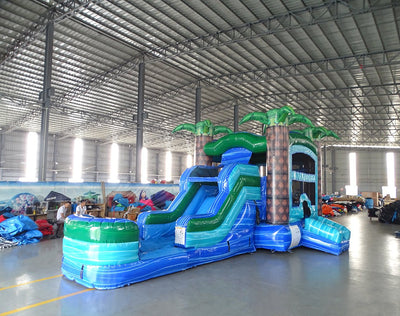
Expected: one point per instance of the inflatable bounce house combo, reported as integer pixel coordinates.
(224, 208)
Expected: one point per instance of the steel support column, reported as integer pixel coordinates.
(324, 170)
(96, 162)
(333, 168)
(197, 113)
(139, 130)
(1, 155)
(54, 176)
(46, 101)
(236, 117)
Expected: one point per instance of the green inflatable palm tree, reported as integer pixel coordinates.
(204, 132)
(277, 122)
(316, 133)
(284, 116)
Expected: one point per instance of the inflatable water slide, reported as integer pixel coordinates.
(212, 218)
(248, 197)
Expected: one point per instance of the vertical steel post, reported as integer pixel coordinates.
(236, 117)
(54, 158)
(46, 101)
(324, 168)
(1, 155)
(96, 162)
(319, 169)
(197, 114)
(158, 165)
(139, 129)
(333, 167)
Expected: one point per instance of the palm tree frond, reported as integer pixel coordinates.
(299, 118)
(186, 127)
(200, 128)
(222, 129)
(330, 133)
(256, 116)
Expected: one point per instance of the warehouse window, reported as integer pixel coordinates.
(31, 158)
(189, 161)
(144, 156)
(77, 161)
(390, 188)
(114, 163)
(168, 166)
(352, 189)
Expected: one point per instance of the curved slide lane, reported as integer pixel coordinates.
(239, 184)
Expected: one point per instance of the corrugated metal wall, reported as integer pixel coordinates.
(13, 156)
(371, 163)
(96, 160)
(371, 169)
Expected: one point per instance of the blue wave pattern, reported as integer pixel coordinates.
(91, 253)
(166, 247)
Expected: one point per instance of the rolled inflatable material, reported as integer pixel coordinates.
(100, 230)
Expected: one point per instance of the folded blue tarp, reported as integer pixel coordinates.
(118, 198)
(20, 229)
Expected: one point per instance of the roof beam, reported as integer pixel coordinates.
(315, 95)
(373, 59)
(108, 119)
(310, 15)
(18, 123)
(297, 19)
(255, 100)
(391, 89)
(58, 12)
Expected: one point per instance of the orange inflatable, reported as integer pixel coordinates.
(327, 210)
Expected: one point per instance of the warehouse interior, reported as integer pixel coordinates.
(126, 73)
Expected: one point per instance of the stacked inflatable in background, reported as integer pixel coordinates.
(390, 213)
(162, 198)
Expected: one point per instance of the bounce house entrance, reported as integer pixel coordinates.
(298, 188)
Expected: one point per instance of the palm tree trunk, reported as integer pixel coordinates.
(319, 151)
(278, 175)
(200, 157)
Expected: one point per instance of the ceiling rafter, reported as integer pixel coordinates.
(293, 19)
(243, 32)
(373, 59)
(58, 12)
(341, 71)
(119, 115)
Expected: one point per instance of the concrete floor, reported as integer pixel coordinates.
(363, 281)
